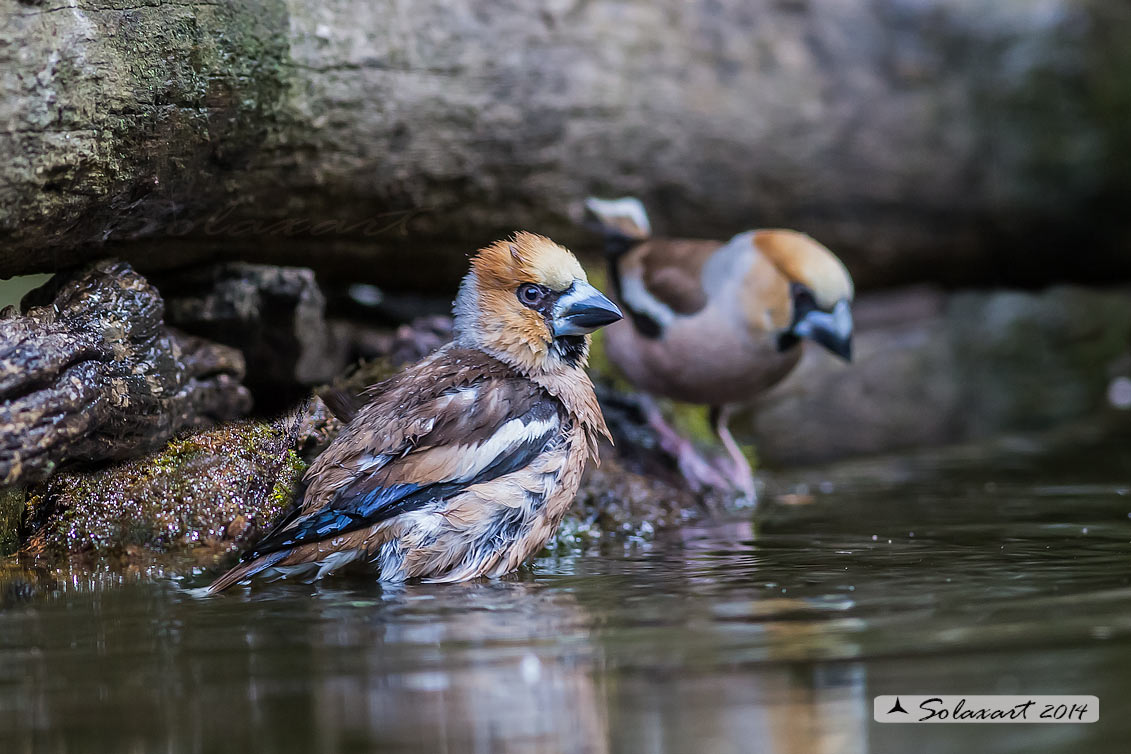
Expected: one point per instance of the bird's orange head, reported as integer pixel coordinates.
(803, 260)
(820, 290)
(527, 301)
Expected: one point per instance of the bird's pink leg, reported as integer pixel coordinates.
(741, 475)
(696, 469)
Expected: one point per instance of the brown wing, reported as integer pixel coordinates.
(424, 425)
(673, 272)
(455, 419)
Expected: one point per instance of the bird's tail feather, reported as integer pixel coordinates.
(246, 571)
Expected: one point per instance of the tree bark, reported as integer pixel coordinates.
(947, 140)
(90, 372)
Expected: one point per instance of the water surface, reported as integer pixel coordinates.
(769, 635)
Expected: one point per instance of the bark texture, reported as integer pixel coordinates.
(90, 372)
(956, 140)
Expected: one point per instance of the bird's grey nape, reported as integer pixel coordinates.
(465, 311)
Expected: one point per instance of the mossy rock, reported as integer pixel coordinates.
(206, 490)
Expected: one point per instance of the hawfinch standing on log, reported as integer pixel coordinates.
(463, 465)
(717, 323)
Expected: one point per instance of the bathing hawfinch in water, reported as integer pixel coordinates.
(717, 323)
(463, 465)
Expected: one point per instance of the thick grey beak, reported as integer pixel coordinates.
(582, 309)
(833, 330)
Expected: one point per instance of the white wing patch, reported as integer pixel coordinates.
(727, 267)
(639, 299)
(507, 437)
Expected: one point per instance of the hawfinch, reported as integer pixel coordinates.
(463, 465)
(717, 323)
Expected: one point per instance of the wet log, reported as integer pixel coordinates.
(203, 493)
(957, 140)
(90, 372)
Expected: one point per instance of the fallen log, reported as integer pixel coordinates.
(90, 372)
(954, 140)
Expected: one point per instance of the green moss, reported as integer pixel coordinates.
(205, 489)
(173, 96)
(282, 495)
(600, 368)
(692, 421)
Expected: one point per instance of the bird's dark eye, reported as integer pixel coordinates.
(803, 300)
(530, 294)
